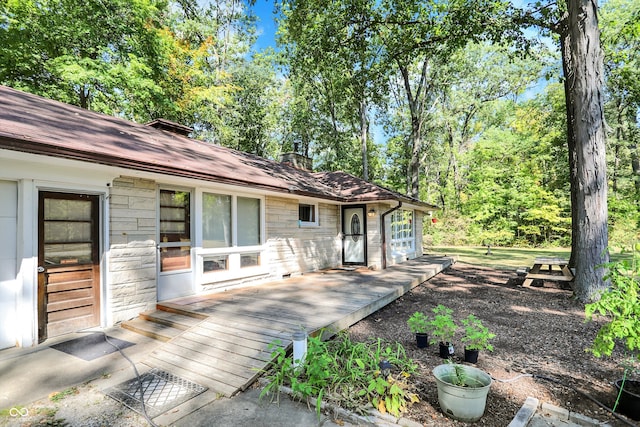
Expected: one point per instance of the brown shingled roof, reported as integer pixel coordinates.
(32, 124)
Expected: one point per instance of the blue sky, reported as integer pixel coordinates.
(266, 25)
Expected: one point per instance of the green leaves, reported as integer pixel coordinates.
(347, 372)
(620, 306)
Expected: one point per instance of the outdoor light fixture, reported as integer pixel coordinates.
(299, 348)
(371, 213)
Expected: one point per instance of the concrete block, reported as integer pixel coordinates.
(385, 417)
(583, 420)
(560, 413)
(526, 412)
(405, 422)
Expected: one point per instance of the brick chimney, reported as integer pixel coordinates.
(297, 160)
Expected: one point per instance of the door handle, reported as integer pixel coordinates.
(40, 269)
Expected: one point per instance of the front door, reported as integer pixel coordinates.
(354, 230)
(175, 278)
(68, 263)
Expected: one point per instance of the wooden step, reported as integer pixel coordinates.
(175, 320)
(180, 309)
(151, 329)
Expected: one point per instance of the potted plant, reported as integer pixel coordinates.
(443, 329)
(419, 325)
(476, 337)
(620, 307)
(462, 391)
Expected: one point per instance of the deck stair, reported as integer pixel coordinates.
(225, 340)
(162, 324)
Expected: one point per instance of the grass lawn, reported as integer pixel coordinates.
(505, 258)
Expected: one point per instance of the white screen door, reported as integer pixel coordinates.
(354, 244)
(175, 277)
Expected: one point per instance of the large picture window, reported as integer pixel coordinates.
(216, 221)
(231, 236)
(402, 231)
(248, 221)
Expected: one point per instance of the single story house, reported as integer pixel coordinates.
(100, 218)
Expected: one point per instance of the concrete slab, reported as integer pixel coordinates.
(246, 409)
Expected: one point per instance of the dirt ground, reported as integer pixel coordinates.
(539, 330)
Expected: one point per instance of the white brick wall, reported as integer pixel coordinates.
(296, 249)
(132, 258)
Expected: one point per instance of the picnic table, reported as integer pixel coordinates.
(563, 275)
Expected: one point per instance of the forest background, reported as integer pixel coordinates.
(458, 103)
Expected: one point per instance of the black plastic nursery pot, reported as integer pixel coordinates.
(446, 350)
(471, 356)
(422, 340)
(629, 404)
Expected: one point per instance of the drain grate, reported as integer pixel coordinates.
(162, 391)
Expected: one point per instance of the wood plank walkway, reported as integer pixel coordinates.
(228, 347)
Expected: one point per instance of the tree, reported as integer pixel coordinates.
(94, 54)
(587, 148)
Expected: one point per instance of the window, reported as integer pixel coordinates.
(175, 230)
(215, 263)
(216, 221)
(248, 221)
(307, 214)
(402, 238)
(250, 260)
(231, 237)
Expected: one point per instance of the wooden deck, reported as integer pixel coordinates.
(222, 340)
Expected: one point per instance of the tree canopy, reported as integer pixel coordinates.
(474, 106)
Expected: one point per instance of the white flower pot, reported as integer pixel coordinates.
(464, 403)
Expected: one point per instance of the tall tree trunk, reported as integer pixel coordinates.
(567, 68)
(416, 108)
(363, 139)
(634, 136)
(589, 151)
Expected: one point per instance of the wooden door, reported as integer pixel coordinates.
(68, 263)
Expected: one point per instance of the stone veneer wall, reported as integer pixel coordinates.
(294, 249)
(132, 254)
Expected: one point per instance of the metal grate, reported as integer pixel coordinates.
(162, 391)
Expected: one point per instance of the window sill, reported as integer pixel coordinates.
(214, 278)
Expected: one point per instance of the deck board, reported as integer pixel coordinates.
(231, 347)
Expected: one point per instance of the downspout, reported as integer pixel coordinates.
(384, 233)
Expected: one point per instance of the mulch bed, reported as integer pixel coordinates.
(539, 330)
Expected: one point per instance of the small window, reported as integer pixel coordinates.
(215, 263)
(250, 260)
(307, 214)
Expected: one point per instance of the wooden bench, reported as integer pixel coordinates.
(563, 275)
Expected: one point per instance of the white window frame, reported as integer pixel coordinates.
(316, 214)
(402, 237)
(233, 252)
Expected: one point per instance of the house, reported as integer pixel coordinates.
(100, 218)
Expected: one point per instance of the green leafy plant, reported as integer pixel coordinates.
(347, 373)
(442, 327)
(476, 335)
(620, 307)
(460, 376)
(389, 395)
(418, 323)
